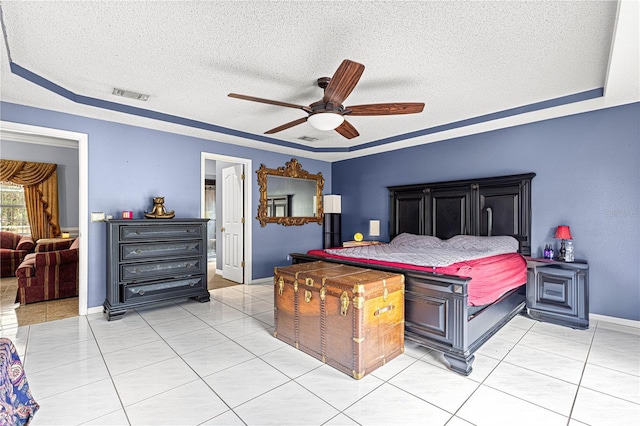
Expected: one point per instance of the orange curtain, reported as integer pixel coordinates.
(40, 182)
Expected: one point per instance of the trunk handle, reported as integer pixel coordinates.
(383, 310)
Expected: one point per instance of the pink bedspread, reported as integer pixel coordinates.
(491, 276)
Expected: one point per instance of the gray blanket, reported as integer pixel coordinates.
(424, 250)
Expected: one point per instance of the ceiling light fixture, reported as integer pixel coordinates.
(325, 120)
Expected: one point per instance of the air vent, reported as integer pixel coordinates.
(308, 138)
(129, 94)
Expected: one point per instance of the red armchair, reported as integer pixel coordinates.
(49, 275)
(13, 249)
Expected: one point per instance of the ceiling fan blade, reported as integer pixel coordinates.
(269, 101)
(385, 109)
(286, 126)
(347, 130)
(343, 81)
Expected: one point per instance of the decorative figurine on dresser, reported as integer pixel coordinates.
(150, 261)
(158, 211)
(558, 291)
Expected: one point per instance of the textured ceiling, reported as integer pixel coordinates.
(462, 59)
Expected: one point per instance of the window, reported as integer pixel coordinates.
(13, 211)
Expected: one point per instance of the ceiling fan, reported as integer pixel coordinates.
(329, 113)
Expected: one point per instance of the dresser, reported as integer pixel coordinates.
(154, 260)
(558, 292)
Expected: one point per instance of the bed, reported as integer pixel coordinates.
(439, 314)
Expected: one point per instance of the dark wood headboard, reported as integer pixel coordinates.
(485, 206)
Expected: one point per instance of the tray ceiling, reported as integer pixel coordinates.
(476, 65)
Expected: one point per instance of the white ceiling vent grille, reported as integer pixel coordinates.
(129, 94)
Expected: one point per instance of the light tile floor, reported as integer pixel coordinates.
(13, 314)
(217, 363)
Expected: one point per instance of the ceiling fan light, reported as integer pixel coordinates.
(325, 120)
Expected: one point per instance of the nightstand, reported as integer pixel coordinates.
(558, 292)
(360, 243)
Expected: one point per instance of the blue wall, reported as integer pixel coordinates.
(587, 166)
(129, 165)
(588, 177)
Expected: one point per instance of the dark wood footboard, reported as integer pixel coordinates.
(437, 313)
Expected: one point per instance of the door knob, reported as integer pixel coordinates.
(222, 229)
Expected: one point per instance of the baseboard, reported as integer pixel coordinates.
(615, 320)
(267, 280)
(94, 310)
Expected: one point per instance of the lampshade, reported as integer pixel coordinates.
(332, 204)
(562, 232)
(374, 228)
(325, 120)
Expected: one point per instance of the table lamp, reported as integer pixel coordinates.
(374, 228)
(563, 233)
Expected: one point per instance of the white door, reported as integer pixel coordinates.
(232, 224)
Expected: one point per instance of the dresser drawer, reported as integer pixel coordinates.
(130, 252)
(145, 271)
(555, 290)
(163, 290)
(146, 232)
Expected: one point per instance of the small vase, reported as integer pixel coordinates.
(568, 255)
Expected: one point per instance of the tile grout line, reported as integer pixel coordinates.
(584, 368)
(500, 361)
(106, 366)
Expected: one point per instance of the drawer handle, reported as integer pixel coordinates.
(141, 292)
(136, 271)
(307, 296)
(192, 284)
(138, 251)
(383, 310)
(138, 232)
(189, 265)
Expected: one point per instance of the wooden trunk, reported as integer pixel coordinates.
(348, 317)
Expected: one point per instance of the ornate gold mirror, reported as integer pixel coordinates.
(289, 195)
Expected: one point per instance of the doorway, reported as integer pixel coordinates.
(211, 168)
(210, 213)
(26, 133)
